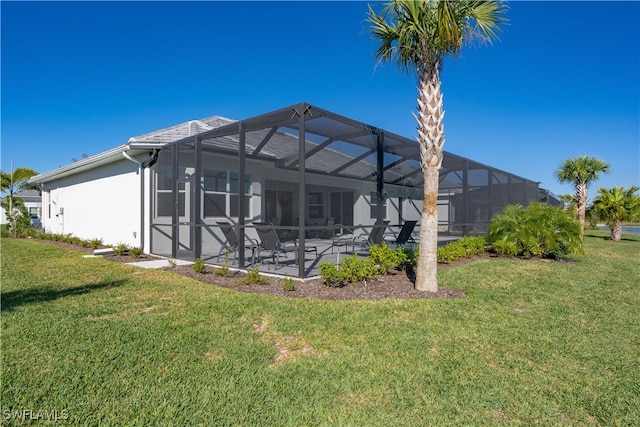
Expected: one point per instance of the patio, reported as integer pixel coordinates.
(326, 250)
(300, 168)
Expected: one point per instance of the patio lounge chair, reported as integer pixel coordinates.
(327, 232)
(270, 242)
(404, 236)
(363, 241)
(232, 242)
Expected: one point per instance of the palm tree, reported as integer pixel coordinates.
(616, 205)
(418, 35)
(581, 171)
(15, 182)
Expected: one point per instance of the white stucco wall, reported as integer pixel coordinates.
(101, 203)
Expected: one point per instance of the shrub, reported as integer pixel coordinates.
(473, 245)
(330, 275)
(288, 285)
(386, 258)
(222, 271)
(450, 252)
(537, 230)
(95, 243)
(198, 265)
(410, 256)
(465, 247)
(135, 252)
(352, 269)
(252, 277)
(120, 249)
(505, 248)
(75, 240)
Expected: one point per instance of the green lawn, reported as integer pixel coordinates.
(534, 342)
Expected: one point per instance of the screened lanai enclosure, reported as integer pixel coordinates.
(290, 189)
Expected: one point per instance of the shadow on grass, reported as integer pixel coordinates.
(608, 237)
(13, 299)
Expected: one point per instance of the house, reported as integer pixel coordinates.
(296, 167)
(32, 202)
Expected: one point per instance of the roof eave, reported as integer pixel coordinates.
(91, 162)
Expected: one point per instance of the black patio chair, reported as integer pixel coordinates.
(374, 238)
(232, 242)
(405, 234)
(327, 232)
(270, 242)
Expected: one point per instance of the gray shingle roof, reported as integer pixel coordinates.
(182, 130)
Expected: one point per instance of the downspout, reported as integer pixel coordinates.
(150, 161)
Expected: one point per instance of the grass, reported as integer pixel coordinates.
(533, 343)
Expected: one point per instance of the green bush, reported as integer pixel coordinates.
(386, 258)
(465, 247)
(537, 230)
(352, 269)
(355, 269)
(330, 275)
(473, 245)
(288, 285)
(507, 248)
(410, 256)
(224, 270)
(95, 243)
(198, 265)
(120, 249)
(252, 277)
(450, 252)
(135, 252)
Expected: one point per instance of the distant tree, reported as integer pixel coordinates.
(616, 205)
(418, 35)
(581, 171)
(17, 181)
(13, 183)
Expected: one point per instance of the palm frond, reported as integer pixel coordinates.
(414, 32)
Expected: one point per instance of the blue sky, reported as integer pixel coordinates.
(84, 77)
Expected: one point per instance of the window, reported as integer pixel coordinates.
(220, 198)
(164, 189)
(315, 205)
(375, 201)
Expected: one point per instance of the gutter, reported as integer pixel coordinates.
(147, 163)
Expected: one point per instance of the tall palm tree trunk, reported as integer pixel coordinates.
(616, 230)
(431, 139)
(581, 201)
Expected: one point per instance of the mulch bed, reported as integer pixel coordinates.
(396, 285)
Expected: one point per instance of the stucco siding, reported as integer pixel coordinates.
(99, 203)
